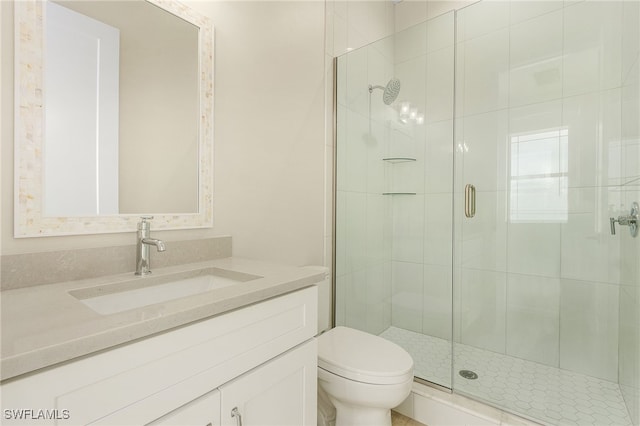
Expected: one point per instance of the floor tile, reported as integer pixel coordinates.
(543, 393)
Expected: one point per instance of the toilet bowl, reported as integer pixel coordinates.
(364, 376)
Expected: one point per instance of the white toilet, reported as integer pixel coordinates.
(364, 376)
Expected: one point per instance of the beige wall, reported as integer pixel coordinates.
(269, 135)
(5, 135)
(269, 91)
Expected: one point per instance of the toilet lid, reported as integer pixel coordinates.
(363, 357)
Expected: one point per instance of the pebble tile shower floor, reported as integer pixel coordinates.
(543, 393)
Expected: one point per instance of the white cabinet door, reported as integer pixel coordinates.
(204, 411)
(280, 392)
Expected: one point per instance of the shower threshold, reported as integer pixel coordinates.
(540, 392)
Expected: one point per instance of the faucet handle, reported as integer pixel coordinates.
(143, 224)
(612, 223)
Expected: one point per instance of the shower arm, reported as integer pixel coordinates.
(375, 87)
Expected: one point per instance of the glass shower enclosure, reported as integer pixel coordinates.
(482, 210)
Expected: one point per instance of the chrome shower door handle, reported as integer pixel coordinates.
(469, 200)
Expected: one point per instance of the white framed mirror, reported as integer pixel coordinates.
(113, 116)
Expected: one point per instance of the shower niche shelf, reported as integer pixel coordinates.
(398, 193)
(394, 160)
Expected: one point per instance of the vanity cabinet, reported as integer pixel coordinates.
(260, 359)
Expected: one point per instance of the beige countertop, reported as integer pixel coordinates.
(45, 325)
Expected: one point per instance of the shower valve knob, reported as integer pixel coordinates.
(631, 220)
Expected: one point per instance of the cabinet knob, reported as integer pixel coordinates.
(235, 413)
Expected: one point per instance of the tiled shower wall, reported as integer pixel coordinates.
(422, 223)
(351, 25)
(629, 348)
(363, 227)
(380, 241)
(540, 283)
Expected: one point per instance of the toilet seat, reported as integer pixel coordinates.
(363, 357)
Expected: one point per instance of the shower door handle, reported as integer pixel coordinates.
(469, 200)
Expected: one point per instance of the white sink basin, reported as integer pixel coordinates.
(146, 291)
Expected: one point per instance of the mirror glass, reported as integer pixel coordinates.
(121, 107)
(115, 116)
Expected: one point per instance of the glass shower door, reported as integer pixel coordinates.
(538, 279)
(394, 198)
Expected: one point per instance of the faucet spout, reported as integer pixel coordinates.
(154, 242)
(143, 255)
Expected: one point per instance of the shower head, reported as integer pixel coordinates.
(390, 91)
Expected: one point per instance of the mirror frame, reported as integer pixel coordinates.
(29, 139)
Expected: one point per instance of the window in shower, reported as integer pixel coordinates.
(539, 177)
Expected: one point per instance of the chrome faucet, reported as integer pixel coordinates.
(143, 258)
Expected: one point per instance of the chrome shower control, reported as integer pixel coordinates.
(632, 220)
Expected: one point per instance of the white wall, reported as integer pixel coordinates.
(269, 135)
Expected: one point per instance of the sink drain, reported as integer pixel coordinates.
(468, 374)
